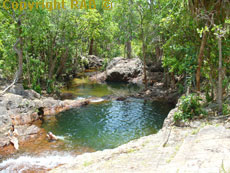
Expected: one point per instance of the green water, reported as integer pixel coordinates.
(85, 88)
(109, 124)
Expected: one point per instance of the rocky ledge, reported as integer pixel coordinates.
(202, 147)
(158, 92)
(25, 110)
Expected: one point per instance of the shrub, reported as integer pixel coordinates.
(226, 109)
(189, 107)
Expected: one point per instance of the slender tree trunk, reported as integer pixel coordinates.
(18, 74)
(95, 48)
(173, 82)
(124, 50)
(129, 49)
(158, 53)
(52, 67)
(165, 78)
(62, 63)
(200, 59)
(143, 46)
(144, 56)
(52, 60)
(20, 52)
(91, 47)
(220, 94)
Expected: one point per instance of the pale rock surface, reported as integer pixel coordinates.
(124, 70)
(188, 150)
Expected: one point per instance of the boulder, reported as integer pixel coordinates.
(17, 89)
(31, 94)
(98, 77)
(94, 61)
(123, 70)
(11, 101)
(91, 61)
(26, 131)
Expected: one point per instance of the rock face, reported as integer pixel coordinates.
(94, 61)
(160, 93)
(22, 111)
(91, 61)
(15, 110)
(100, 78)
(5, 121)
(124, 70)
(18, 89)
(205, 149)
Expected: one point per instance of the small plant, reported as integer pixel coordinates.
(226, 109)
(104, 64)
(189, 107)
(84, 61)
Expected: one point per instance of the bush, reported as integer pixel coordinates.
(226, 109)
(189, 107)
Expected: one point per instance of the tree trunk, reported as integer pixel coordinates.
(91, 47)
(62, 63)
(220, 95)
(20, 52)
(165, 78)
(158, 53)
(52, 67)
(19, 73)
(173, 82)
(144, 56)
(95, 49)
(124, 50)
(52, 60)
(129, 49)
(200, 59)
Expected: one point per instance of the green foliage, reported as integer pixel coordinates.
(84, 61)
(189, 107)
(104, 64)
(226, 109)
(180, 49)
(53, 40)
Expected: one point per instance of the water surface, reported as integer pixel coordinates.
(109, 124)
(94, 127)
(83, 87)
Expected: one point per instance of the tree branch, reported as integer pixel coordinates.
(15, 81)
(16, 76)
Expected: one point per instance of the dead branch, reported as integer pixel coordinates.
(16, 76)
(15, 81)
